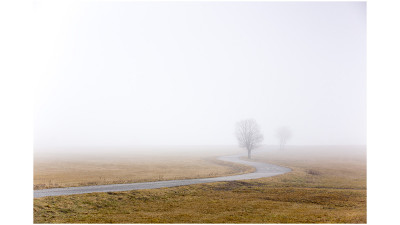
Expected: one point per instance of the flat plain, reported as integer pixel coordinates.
(74, 169)
(327, 185)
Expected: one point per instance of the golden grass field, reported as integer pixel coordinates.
(327, 185)
(71, 170)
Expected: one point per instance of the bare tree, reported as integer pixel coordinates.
(248, 135)
(283, 134)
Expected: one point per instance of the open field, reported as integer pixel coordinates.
(327, 185)
(71, 170)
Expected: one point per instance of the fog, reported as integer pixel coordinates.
(125, 74)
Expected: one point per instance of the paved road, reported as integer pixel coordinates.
(262, 170)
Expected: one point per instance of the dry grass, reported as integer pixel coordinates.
(91, 169)
(336, 195)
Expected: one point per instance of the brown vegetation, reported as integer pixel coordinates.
(91, 169)
(336, 195)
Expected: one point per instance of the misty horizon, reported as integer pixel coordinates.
(183, 74)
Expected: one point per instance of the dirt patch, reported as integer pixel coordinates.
(235, 185)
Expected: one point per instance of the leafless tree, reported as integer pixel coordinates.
(283, 134)
(249, 135)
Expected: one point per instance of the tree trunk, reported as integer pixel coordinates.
(249, 154)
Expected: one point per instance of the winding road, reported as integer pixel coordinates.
(262, 170)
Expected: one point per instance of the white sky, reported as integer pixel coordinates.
(133, 73)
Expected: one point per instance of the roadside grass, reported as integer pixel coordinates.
(91, 170)
(336, 193)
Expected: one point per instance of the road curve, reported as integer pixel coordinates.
(262, 170)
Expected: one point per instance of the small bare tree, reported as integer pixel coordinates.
(249, 135)
(283, 134)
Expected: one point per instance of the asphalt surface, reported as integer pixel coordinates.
(262, 170)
